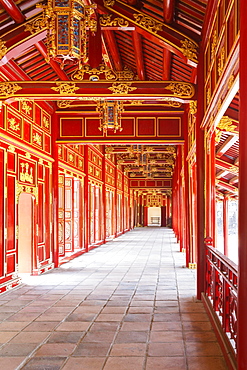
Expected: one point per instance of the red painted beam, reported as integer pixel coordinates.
(111, 41)
(137, 42)
(168, 10)
(95, 47)
(166, 64)
(18, 71)
(54, 65)
(13, 10)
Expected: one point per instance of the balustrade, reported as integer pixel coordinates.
(221, 289)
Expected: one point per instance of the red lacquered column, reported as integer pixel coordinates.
(242, 219)
(186, 192)
(145, 223)
(86, 200)
(55, 189)
(200, 178)
(225, 224)
(103, 198)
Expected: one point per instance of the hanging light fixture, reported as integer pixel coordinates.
(110, 115)
(67, 23)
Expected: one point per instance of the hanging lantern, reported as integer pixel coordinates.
(110, 115)
(67, 24)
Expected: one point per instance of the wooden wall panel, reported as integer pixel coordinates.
(2, 210)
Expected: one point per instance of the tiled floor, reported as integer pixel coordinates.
(127, 305)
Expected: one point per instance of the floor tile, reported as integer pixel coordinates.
(124, 363)
(45, 363)
(84, 363)
(167, 363)
(127, 305)
(55, 349)
(10, 363)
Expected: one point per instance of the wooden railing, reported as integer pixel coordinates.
(222, 290)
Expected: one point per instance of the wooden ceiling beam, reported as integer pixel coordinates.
(111, 42)
(233, 180)
(225, 166)
(54, 65)
(113, 89)
(168, 9)
(166, 64)
(230, 141)
(13, 10)
(176, 41)
(227, 186)
(137, 42)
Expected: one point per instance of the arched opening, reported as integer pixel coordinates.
(26, 230)
(154, 216)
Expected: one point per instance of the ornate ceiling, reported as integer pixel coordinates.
(141, 42)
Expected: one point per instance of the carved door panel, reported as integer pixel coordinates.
(61, 202)
(97, 213)
(91, 212)
(77, 211)
(69, 227)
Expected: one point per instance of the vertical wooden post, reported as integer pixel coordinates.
(242, 219)
(200, 178)
(103, 236)
(55, 190)
(186, 192)
(86, 200)
(225, 224)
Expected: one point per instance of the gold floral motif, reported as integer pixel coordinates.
(122, 88)
(65, 88)
(226, 124)
(106, 20)
(193, 107)
(64, 103)
(108, 3)
(214, 44)
(25, 174)
(181, 89)
(148, 22)
(13, 125)
(46, 122)
(71, 157)
(37, 139)
(109, 74)
(8, 88)
(106, 58)
(231, 81)
(38, 24)
(28, 155)
(189, 49)
(26, 107)
(3, 49)
(221, 61)
(208, 96)
(11, 149)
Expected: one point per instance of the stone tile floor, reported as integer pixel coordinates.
(127, 305)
